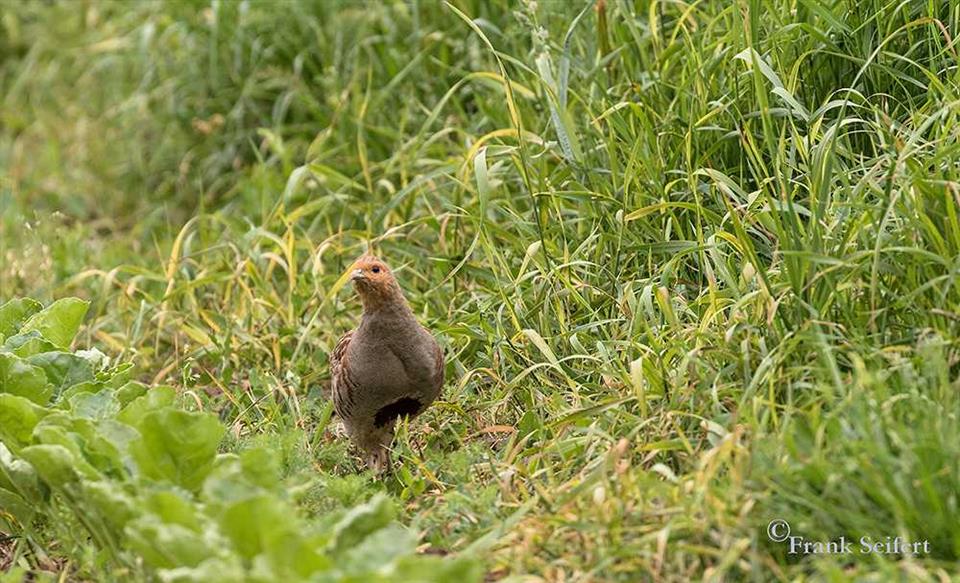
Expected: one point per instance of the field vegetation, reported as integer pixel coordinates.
(695, 267)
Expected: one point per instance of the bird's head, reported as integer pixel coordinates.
(374, 282)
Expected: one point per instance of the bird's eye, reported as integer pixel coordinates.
(375, 269)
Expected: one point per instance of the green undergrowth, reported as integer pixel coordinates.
(133, 480)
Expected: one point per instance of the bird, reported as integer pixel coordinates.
(387, 368)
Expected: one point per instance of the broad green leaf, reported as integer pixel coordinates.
(291, 556)
(15, 512)
(173, 507)
(63, 399)
(227, 483)
(24, 345)
(18, 377)
(377, 550)
(117, 376)
(19, 476)
(18, 417)
(361, 521)
(95, 406)
(253, 523)
(18, 574)
(212, 570)
(130, 391)
(261, 467)
(154, 399)
(54, 463)
(166, 545)
(178, 446)
(14, 313)
(101, 447)
(529, 423)
(63, 369)
(112, 442)
(56, 435)
(423, 569)
(59, 321)
(114, 506)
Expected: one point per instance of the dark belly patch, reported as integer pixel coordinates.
(399, 408)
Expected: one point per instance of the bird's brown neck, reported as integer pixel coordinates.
(386, 301)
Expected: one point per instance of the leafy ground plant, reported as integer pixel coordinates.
(88, 455)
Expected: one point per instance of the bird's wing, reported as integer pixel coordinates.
(339, 354)
(340, 384)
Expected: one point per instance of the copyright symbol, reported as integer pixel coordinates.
(778, 530)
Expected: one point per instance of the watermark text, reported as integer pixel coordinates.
(779, 531)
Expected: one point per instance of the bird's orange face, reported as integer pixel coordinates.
(370, 274)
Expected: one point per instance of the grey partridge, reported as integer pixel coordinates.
(388, 367)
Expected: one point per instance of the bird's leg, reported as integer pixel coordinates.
(378, 448)
(378, 460)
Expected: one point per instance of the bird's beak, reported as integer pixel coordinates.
(357, 275)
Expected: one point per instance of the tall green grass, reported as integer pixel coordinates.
(694, 264)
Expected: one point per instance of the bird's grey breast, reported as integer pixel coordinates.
(398, 357)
